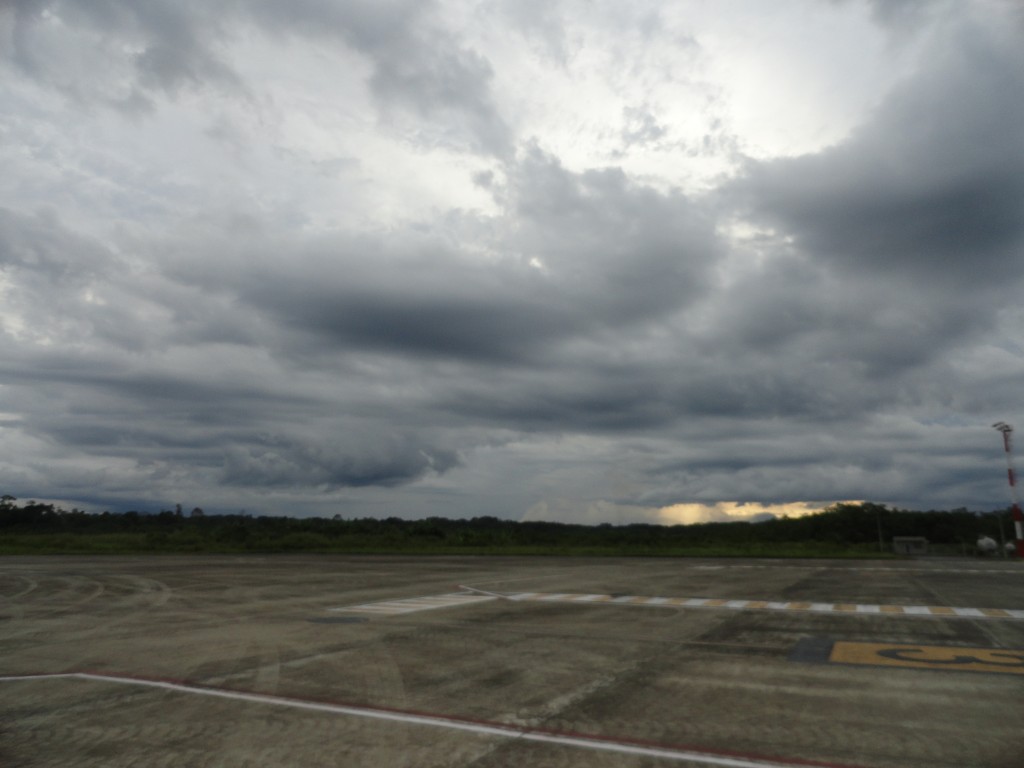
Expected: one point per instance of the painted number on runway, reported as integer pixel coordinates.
(1006, 662)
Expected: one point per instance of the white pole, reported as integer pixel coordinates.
(1018, 517)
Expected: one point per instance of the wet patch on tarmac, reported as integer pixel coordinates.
(812, 650)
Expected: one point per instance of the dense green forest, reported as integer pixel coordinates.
(841, 530)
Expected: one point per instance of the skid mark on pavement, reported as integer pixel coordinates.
(414, 604)
(676, 753)
(772, 605)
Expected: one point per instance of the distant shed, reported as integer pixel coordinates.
(910, 545)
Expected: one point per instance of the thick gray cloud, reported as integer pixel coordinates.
(592, 255)
(333, 256)
(929, 190)
(138, 47)
(416, 65)
(277, 464)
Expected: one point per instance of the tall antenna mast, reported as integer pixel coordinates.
(1018, 517)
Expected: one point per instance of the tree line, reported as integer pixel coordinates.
(856, 529)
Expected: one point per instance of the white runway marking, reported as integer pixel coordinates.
(776, 605)
(414, 604)
(918, 610)
(480, 727)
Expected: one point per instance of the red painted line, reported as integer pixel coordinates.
(726, 758)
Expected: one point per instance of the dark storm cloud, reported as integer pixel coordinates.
(53, 269)
(87, 389)
(39, 245)
(72, 287)
(832, 326)
(890, 263)
(483, 327)
(177, 395)
(624, 249)
(876, 452)
(571, 398)
(258, 433)
(281, 463)
(592, 255)
(930, 191)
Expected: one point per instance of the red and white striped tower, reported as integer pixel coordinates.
(1018, 517)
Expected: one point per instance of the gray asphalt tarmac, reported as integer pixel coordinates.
(370, 661)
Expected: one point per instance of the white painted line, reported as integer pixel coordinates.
(969, 612)
(917, 610)
(51, 676)
(369, 609)
(790, 605)
(480, 591)
(413, 604)
(441, 600)
(483, 728)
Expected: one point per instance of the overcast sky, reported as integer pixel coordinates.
(579, 261)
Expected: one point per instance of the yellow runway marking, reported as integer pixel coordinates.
(1004, 662)
(995, 613)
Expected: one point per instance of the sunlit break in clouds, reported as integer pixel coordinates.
(731, 511)
(577, 261)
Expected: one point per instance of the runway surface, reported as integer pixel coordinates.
(397, 661)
